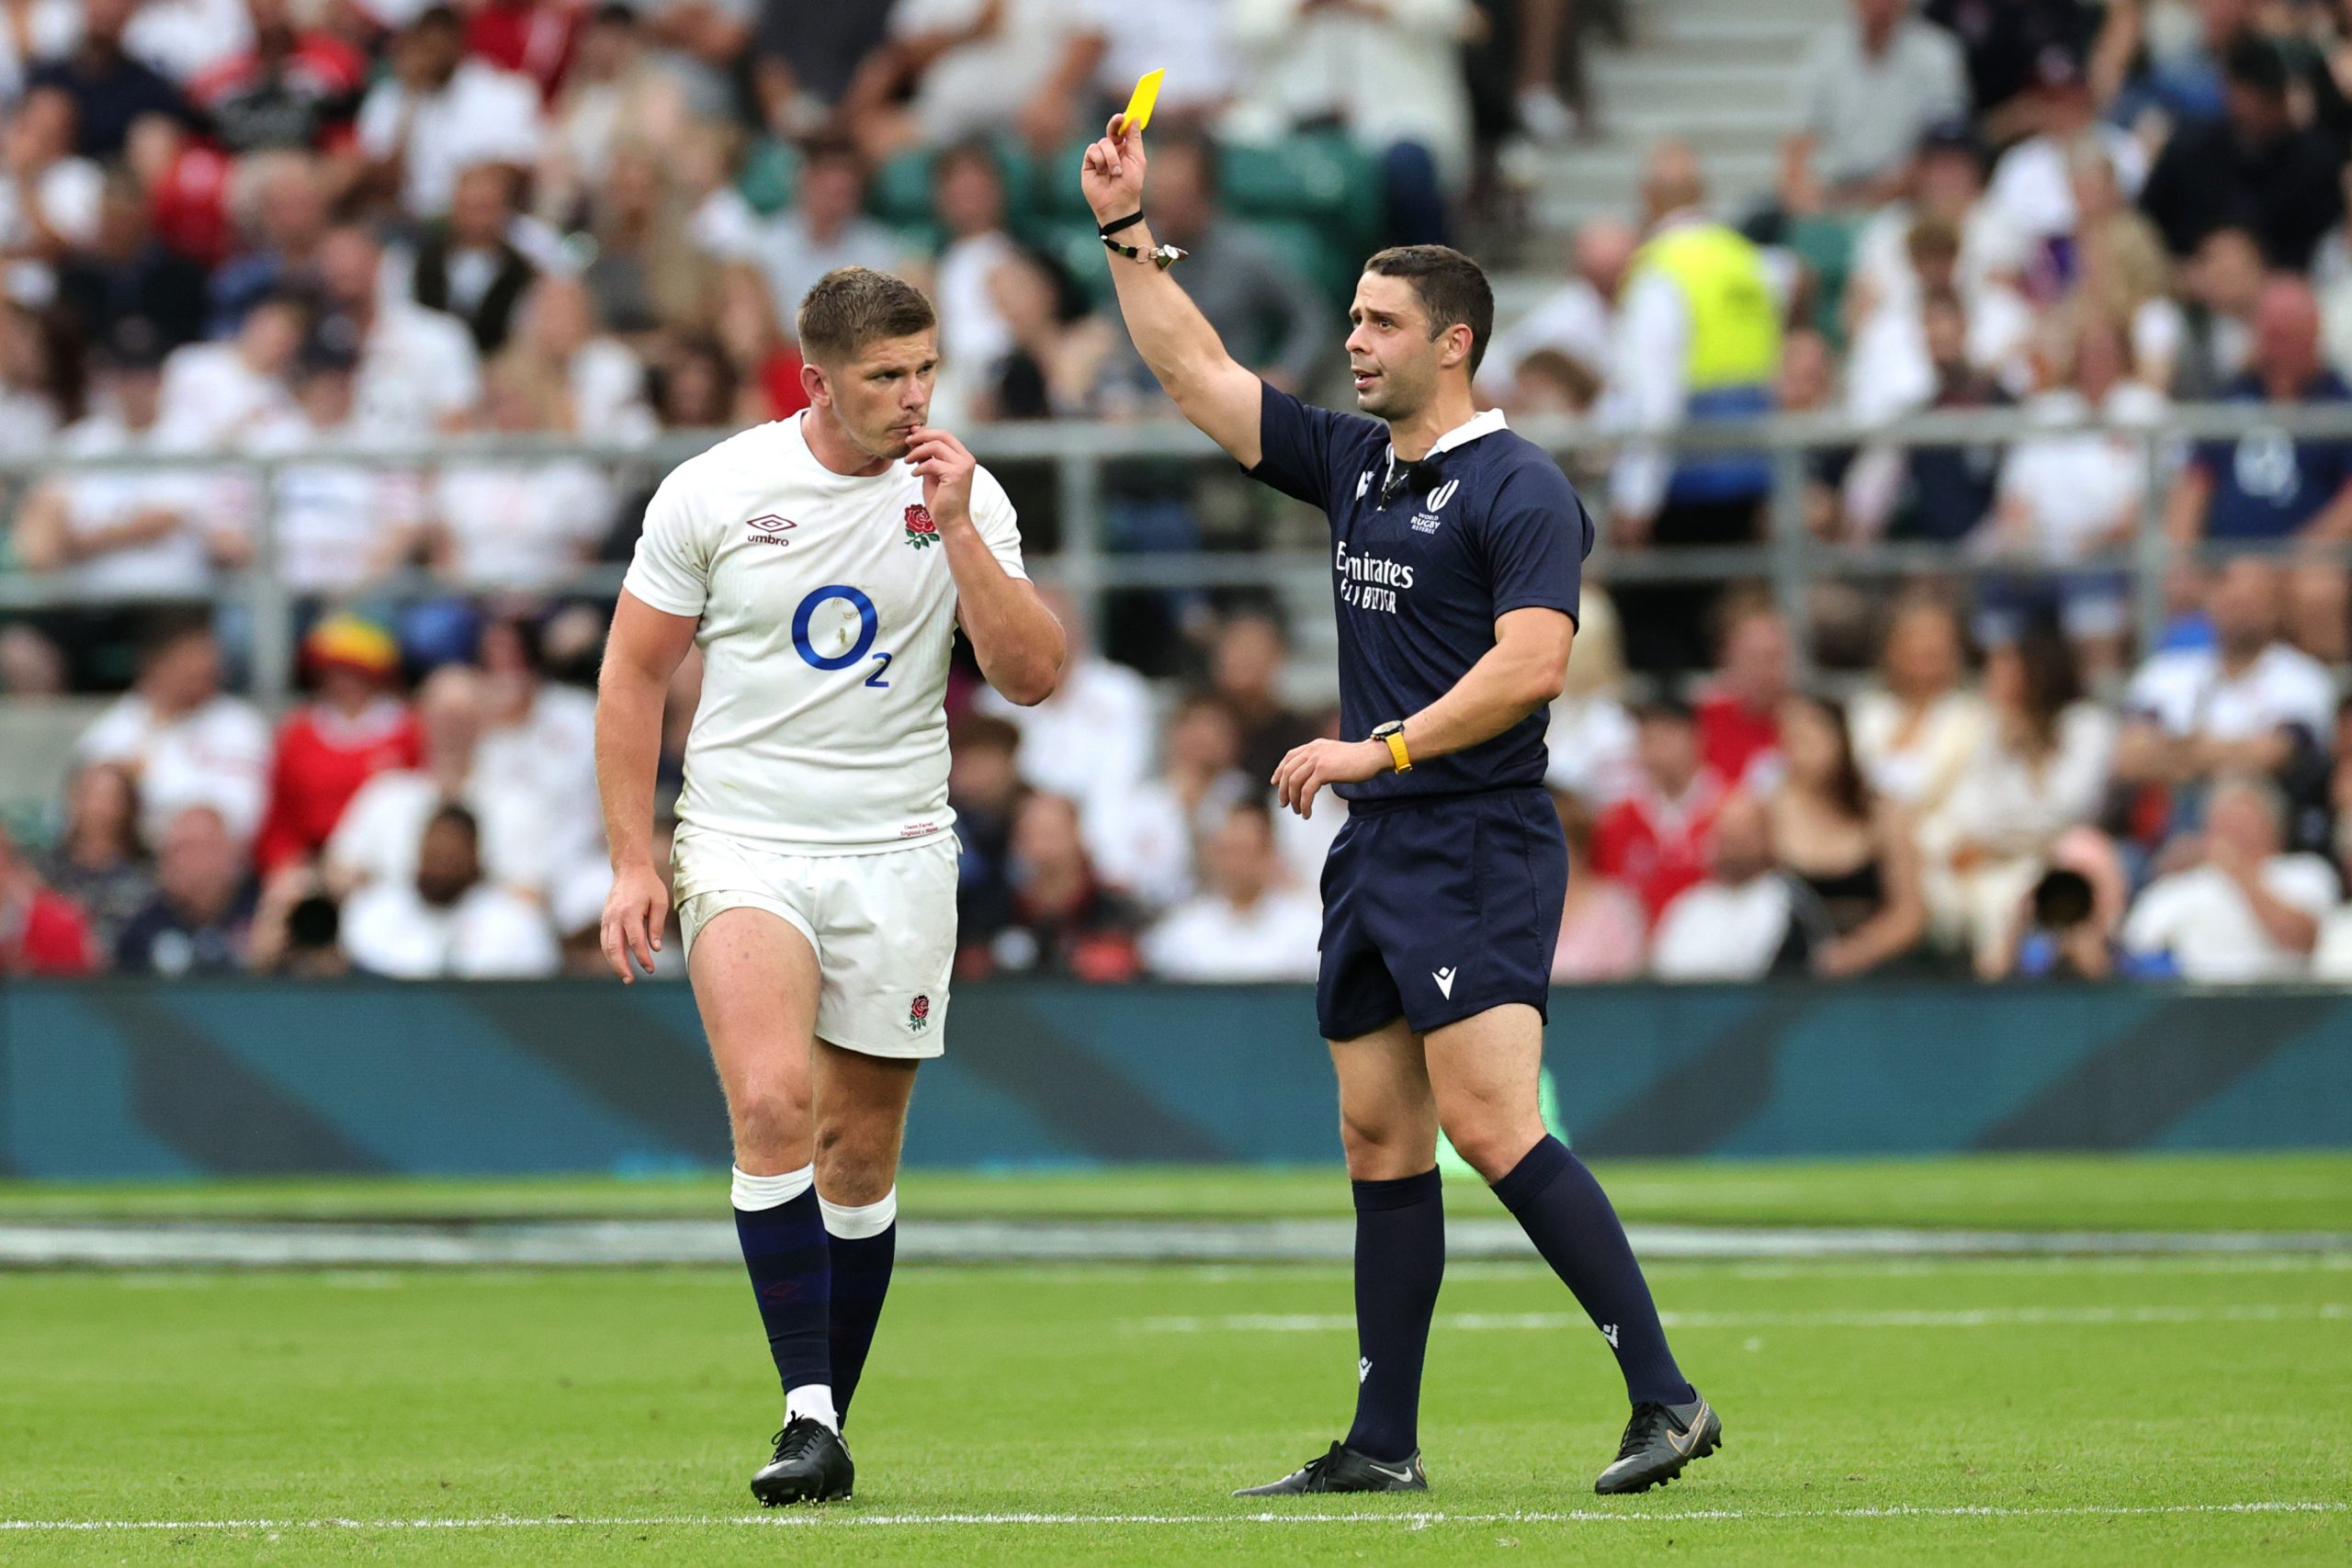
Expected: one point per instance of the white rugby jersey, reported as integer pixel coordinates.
(827, 614)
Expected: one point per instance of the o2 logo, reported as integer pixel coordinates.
(839, 620)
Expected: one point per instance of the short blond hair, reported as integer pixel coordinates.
(852, 306)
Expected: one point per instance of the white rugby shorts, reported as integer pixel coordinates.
(883, 925)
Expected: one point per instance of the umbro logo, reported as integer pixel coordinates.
(1445, 978)
(768, 528)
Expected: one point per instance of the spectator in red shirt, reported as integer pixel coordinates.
(531, 37)
(294, 90)
(41, 933)
(1656, 840)
(354, 730)
(1739, 717)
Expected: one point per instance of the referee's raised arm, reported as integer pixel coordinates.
(1213, 391)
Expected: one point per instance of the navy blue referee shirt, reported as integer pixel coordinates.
(1493, 527)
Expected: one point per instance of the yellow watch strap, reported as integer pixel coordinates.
(1396, 739)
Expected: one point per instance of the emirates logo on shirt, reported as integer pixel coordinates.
(921, 532)
(767, 528)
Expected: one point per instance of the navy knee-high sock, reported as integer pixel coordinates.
(1566, 1215)
(785, 1250)
(1400, 1262)
(865, 1242)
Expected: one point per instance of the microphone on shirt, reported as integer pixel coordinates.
(1420, 474)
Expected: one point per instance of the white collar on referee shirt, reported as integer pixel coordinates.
(1462, 434)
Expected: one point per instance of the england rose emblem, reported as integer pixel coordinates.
(919, 1011)
(921, 532)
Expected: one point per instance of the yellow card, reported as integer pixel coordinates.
(1138, 111)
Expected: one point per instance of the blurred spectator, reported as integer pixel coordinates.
(2249, 704)
(300, 941)
(200, 920)
(2267, 485)
(1603, 927)
(1656, 839)
(126, 274)
(1944, 492)
(1245, 925)
(1576, 320)
(2221, 288)
(2121, 271)
(2064, 499)
(97, 860)
(530, 38)
(759, 348)
(984, 789)
(215, 392)
(603, 378)
(1390, 76)
(2255, 168)
(50, 200)
(2033, 185)
(1916, 730)
(647, 272)
(967, 190)
(825, 227)
(31, 667)
(1060, 350)
(1089, 741)
(2040, 770)
(280, 205)
(2063, 936)
(439, 113)
(1269, 315)
(538, 741)
(110, 89)
(418, 371)
(329, 749)
(468, 263)
(1699, 337)
(1142, 839)
(695, 388)
(2005, 44)
(36, 31)
(41, 931)
(805, 58)
(377, 837)
(1137, 39)
(1590, 737)
(446, 922)
(184, 741)
(1065, 924)
(1746, 920)
(41, 382)
(1869, 87)
(968, 66)
(2245, 910)
(613, 89)
(296, 89)
(518, 523)
(1245, 665)
(1854, 853)
(185, 38)
(155, 531)
(1739, 716)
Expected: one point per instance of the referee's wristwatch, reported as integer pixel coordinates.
(1392, 734)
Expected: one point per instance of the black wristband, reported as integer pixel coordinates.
(1129, 221)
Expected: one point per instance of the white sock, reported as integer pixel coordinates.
(772, 1192)
(814, 1400)
(856, 1222)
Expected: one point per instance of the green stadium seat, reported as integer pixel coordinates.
(900, 192)
(1076, 245)
(1323, 179)
(1825, 243)
(1331, 264)
(770, 176)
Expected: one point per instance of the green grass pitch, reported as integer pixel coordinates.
(2137, 1410)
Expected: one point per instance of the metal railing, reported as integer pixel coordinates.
(1787, 556)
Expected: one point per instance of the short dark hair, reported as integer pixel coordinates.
(852, 306)
(1452, 288)
(456, 817)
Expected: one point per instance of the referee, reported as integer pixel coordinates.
(1457, 550)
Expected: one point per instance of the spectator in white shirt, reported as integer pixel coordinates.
(614, 91)
(50, 200)
(1245, 926)
(1869, 87)
(215, 393)
(2250, 703)
(1092, 740)
(441, 111)
(376, 839)
(1390, 74)
(1575, 319)
(974, 66)
(1591, 743)
(186, 742)
(825, 227)
(418, 371)
(2033, 185)
(518, 523)
(540, 742)
(1143, 837)
(1916, 729)
(446, 922)
(1745, 921)
(2245, 910)
(603, 379)
(144, 531)
(967, 189)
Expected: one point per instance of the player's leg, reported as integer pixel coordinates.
(755, 981)
(861, 1106)
(1484, 1072)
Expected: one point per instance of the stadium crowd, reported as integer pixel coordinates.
(274, 226)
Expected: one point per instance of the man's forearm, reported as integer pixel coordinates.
(628, 750)
(1016, 639)
(1499, 691)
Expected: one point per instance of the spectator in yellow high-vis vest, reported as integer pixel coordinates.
(1698, 337)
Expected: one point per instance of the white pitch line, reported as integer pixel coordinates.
(815, 1519)
(1962, 1317)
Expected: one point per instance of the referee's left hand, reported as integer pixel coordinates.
(1309, 768)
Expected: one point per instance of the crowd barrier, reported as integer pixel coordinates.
(156, 1079)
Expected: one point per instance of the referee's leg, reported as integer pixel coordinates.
(1485, 1074)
